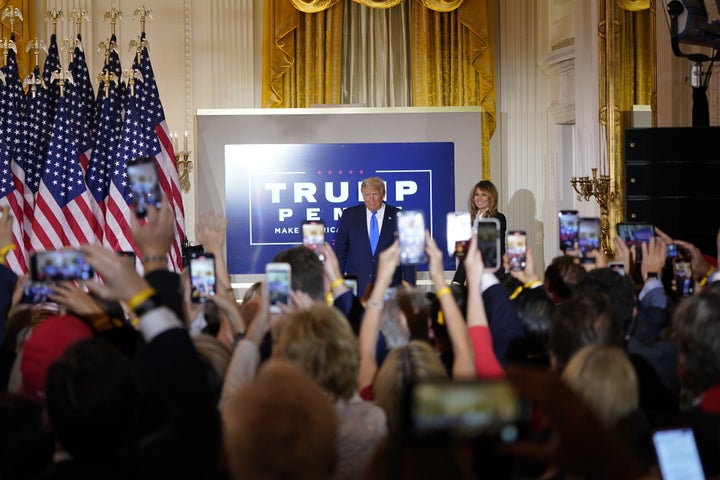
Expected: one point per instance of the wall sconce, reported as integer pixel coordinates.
(182, 162)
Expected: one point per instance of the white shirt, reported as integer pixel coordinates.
(379, 216)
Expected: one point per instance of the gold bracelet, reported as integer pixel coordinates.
(140, 297)
(702, 282)
(532, 284)
(154, 258)
(443, 291)
(516, 293)
(337, 283)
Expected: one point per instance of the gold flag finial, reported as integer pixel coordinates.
(53, 16)
(62, 78)
(144, 14)
(131, 76)
(12, 13)
(106, 78)
(114, 15)
(6, 45)
(138, 43)
(36, 45)
(77, 15)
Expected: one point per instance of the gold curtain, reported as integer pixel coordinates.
(24, 32)
(451, 50)
(302, 54)
(452, 62)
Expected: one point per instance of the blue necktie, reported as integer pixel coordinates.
(374, 232)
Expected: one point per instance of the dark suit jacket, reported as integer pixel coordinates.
(352, 246)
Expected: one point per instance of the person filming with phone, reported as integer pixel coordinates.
(366, 230)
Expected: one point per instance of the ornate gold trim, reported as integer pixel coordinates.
(442, 5)
(315, 6)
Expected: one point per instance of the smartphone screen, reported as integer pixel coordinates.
(635, 234)
(677, 454)
(277, 276)
(59, 265)
(465, 411)
(683, 277)
(517, 249)
(202, 277)
(672, 250)
(568, 229)
(144, 185)
(588, 238)
(488, 241)
(459, 233)
(313, 235)
(36, 292)
(411, 233)
(618, 267)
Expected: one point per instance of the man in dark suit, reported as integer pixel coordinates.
(356, 229)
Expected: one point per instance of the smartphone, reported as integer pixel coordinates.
(618, 267)
(202, 277)
(682, 270)
(451, 411)
(277, 276)
(313, 235)
(568, 229)
(144, 185)
(588, 238)
(411, 233)
(677, 454)
(635, 234)
(129, 257)
(36, 292)
(672, 251)
(459, 233)
(517, 249)
(59, 265)
(488, 241)
(352, 282)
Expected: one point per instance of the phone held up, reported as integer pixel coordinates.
(635, 234)
(277, 276)
(411, 234)
(588, 238)
(488, 242)
(464, 412)
(313, 236)
(59, 265)
(682, 271)
(459, 233)
(202, 277)
(517, 249)
(568, 224)
(677, 454)
(144, 185)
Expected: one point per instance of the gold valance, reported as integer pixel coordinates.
(314, 6)
(633, 5)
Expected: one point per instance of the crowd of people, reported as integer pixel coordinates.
(126, 377)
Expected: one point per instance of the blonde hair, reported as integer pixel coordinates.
(402, 367)
(213, 351)
(320, 340)
(488, 187)
(375, 183)
(605, 380)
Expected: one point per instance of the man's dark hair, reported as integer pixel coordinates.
(562, 276)
(535, 310)
(697, 326)
(92, 400)
(619, 289)
(586, 318)
(306, 270)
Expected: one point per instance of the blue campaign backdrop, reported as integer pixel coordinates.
(271, 189)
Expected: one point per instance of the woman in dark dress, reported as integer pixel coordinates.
(482, 202)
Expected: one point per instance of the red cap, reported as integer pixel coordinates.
(47, 343)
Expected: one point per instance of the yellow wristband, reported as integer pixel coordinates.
(532, 284)
(702, 282)
(7, 249)
(140, 297)
(443, 291)
(337, 283)
(517, 292)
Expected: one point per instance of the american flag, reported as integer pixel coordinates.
(160, 146)
(12, 107)
(63, 216)
(81, 100)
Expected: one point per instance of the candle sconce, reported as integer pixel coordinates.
(604, 192)
(182, 162)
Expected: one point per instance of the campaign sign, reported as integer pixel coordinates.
(271, 189)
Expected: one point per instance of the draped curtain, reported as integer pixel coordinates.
(381, 53)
